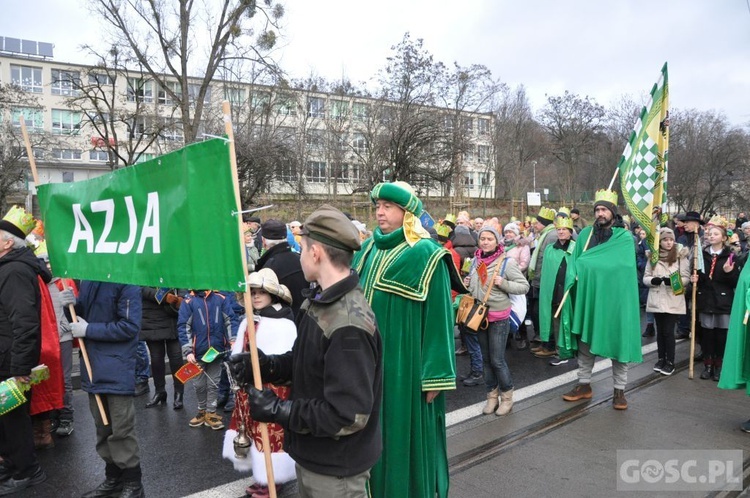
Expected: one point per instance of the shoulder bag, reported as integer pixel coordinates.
(472, 313)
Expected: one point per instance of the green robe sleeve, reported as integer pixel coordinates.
(438, 349)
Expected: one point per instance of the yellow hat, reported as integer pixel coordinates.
(604, 195)
(564, 222)
(563, 211)
(718, 221)
(18, 222)
(547, 214)
(443, 231)
(450, 220)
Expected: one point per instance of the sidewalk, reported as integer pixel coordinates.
(552, 447)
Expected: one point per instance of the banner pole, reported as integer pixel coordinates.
(226, 111)
(81, 343)
(696, 248)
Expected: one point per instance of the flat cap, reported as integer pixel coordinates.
(331, 227)
(273, 230)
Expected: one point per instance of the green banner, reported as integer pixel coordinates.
(168, 222)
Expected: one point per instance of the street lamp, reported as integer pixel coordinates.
(533, 165)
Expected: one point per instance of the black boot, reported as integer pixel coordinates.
(157, 399)
(177, 405)
(132, 489)
(717, 370)
(110, 487)
(649, 332)
(708, 369)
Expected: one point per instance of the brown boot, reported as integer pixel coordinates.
(492, 401)
(618, 401)
(580, 391)
(506, 403)
(42, 437)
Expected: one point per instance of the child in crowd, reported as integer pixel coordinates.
(206, 325)
(275, 334)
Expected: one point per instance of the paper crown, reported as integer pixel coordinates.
(718, 221)
(564, 222)
(18, 222)
(563, 211)
(547, 213)
(443, 230)
(450, 218)
(41, 250)
(606, 196)
(529, 219)
(513, 219)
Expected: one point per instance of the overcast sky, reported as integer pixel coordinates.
(599, 48)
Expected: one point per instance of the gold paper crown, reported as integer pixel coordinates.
(450, 218)
(22, 220)
(564, 222)
(547, 213)
(563, 210)
(443, 230)
(606, 195)
(513, 219)
(529, 219)
(718, 221)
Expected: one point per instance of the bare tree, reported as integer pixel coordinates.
(161, 35)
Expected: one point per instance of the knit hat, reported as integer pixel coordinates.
(606, 198)
(273, 230)
(666, 233)
(512, 227)
(488, 228)
(18, 222)
(267, 280)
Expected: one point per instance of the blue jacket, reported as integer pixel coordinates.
(206, 319)
(113, 312)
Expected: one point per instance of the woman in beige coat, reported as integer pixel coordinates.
(662, 301)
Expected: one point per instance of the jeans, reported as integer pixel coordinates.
(66, 359)
(158, 349)
(471, 340)
(492, 342)
(142, 364)
(665, 323)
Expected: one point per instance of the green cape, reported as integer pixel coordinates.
(553, 258)
(604, 287)
(735, 372)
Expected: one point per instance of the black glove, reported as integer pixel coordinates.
(656, 281)
(667, 281)
(242, 368)
(265, 406)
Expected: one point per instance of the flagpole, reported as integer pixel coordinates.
(225, 109)
(696, 248)
(81, 343)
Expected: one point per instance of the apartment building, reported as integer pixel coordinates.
(329, 136)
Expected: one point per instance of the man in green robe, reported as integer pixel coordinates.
(735, 373)
(603, 284)
(557, 257)
(407, 279)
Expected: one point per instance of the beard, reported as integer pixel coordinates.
(603, 222)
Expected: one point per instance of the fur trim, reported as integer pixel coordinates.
(283, 466)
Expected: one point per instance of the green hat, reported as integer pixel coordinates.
(331, 227)
(400, 193)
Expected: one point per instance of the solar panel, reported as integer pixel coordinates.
(28, 47)
(45, 49)
(12, 44)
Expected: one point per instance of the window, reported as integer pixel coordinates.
(483, 153)
(316, 107)
(259, 101)
(359, 143)
(67, 154)
(468, 124)
(339, 109)
(342, 173)
(288, 173)
(483, 126)
(138, 128)
(164, 97)
(448, 123)
(140, 90)
(99, 156)
(65, 82)
(354, 172)
(194, 90)
(172, 130)
(68, 177)
(484, 179)
(315, 139)
(285, 105)
(360, 111)
(145, 156)
(27, 77)
(234, 95)
(469, 155)
(286, 134)
(469, 181)
(316, 172)
(34, 118)
(98, 118)
(65, 122)
(99, 79)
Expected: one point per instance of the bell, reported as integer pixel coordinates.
(241, 443)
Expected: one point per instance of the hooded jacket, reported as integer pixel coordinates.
(206, 319)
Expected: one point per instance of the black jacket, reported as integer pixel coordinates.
(285, 264)
(336, 374)
(715, 295)
(159, 320)
(20, 312)
(464, 244)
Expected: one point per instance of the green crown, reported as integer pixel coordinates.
(21, 219)
(547, 213)
(564, 222)
(606, 195)
(443, 230)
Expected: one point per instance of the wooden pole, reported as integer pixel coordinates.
(565, 296)
(696, 248)
(225, 109)
(81, 342)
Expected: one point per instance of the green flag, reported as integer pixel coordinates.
(168, 222)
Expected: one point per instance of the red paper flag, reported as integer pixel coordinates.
(482, 272)
(187, 372)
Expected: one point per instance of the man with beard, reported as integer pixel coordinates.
(604, 267)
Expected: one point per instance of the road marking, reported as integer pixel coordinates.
(235, 488)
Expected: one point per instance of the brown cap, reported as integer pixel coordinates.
(331, 227)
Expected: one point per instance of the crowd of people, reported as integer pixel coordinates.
(355, 347)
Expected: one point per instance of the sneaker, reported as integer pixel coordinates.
(745, 426)
(214, 421)
(557, 362)
(682, 334)
(13, 485)
(475, 379)
(65, 428)
(579, 392)
(462, 351)
(198, 420)
(659, 365)
(667, 369)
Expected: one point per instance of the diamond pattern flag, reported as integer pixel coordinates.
(643, 165)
